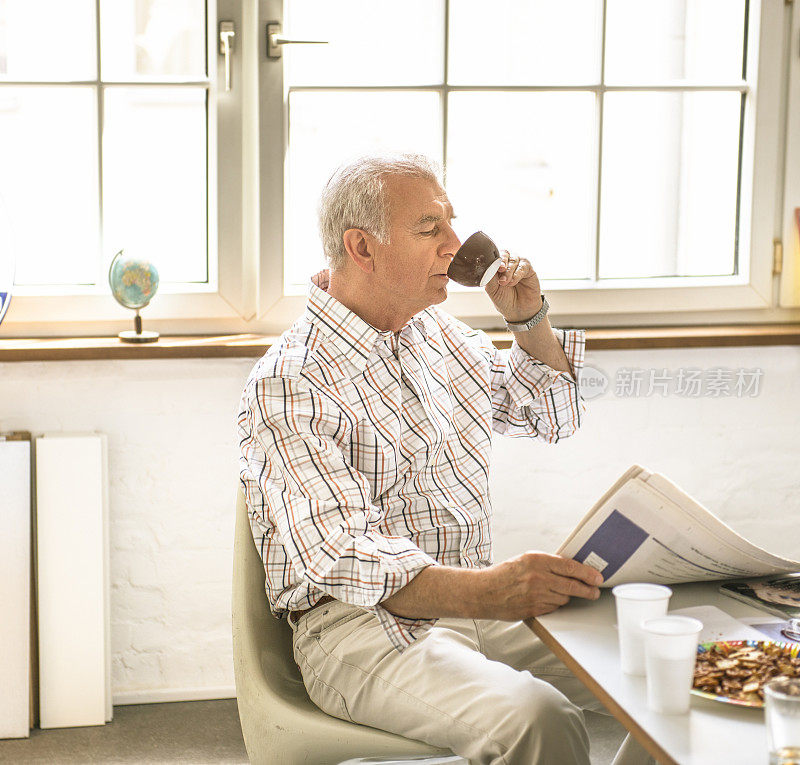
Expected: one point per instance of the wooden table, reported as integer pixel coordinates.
(584, 636)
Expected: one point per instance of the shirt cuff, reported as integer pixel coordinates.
(528, 379)
(403, 631)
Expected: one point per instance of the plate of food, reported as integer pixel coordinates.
(736, 671)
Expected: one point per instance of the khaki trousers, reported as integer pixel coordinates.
(488, 690)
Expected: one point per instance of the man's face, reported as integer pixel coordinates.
(411, 270)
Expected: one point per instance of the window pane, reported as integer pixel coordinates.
(668, 198)
(520, 166)
(535, 42)
(674, 39)
(143, 39)
(48, 179)
(50, 40)
(391, 42)
(320, 140)
(154, 178)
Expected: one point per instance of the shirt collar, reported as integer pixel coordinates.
(351, 335)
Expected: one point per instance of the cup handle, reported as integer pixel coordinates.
(490, 272)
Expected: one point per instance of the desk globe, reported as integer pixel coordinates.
(133, 284)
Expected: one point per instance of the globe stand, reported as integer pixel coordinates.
(137, 335)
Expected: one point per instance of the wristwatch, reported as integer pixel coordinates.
(533, 321)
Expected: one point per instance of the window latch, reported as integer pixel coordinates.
(227, 34)
(275, 39)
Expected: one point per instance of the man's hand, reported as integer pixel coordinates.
(516, 293)
(515, 289)
(537, 583)
(531, 584)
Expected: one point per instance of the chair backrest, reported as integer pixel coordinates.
(280, 723)
(264, 642)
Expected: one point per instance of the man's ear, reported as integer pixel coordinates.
(359, 246)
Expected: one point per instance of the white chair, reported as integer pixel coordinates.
(280, 724)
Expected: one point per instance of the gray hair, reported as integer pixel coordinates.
(355, 197)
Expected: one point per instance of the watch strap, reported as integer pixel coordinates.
(533, 321)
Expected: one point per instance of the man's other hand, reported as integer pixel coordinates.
(536, 583)
(531, 584)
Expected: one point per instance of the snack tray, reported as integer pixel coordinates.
(729, 646)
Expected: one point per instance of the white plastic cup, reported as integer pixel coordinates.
(635, 603)
(670, 652)
(782, 708)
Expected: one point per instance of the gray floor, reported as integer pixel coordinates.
(202, 732)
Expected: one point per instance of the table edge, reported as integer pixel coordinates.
(653, 749)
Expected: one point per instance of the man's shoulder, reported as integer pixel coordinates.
(305, 354)
(296, 355)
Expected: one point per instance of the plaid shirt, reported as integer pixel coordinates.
(365, 454)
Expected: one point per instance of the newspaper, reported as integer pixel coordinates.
(780, 595)
(645, 529)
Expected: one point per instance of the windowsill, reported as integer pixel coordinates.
(253, 346)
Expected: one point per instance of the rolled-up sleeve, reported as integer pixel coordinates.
(530, 398)
(321, 505)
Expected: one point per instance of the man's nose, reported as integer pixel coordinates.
(452, 244)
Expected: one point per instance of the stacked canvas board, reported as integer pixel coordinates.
(55, 639)
(16, 633)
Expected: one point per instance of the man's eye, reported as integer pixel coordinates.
(431, 232)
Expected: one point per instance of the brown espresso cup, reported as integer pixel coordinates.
(475, 262)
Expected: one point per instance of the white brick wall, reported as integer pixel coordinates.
(173, 473)
(172, 461)
(737, 456)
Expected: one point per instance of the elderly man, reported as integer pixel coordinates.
(365, 436)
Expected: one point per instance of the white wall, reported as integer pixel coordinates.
(736, 455)
(172, 460)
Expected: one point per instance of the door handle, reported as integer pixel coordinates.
(276, 38)
(227, 34)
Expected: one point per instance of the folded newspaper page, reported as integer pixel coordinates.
(780, 595)
(645, 529)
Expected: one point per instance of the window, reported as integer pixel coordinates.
(610, 142)
(633, 151)
(107, 114)
(111, 129)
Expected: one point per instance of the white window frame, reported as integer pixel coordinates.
(247, 167)
(228, 299)
(790, 271)
(746, 296)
